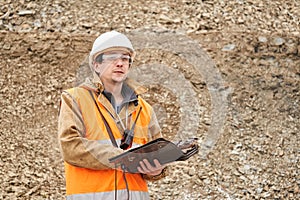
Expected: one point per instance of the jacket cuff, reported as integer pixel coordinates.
(163, 174)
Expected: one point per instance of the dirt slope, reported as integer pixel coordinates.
(255, 46)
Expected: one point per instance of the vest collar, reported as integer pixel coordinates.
(96, 85)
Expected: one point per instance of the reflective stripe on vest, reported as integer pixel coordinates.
(121, 195)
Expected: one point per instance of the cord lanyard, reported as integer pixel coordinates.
(126, 118)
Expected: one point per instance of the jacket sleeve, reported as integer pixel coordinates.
(76, 149)
(153, 127)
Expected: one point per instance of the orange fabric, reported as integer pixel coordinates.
(83, 180)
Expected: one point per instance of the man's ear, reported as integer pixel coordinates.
(96, 67)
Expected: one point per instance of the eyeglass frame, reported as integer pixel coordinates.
(113, 57)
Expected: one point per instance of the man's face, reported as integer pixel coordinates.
(114, 66)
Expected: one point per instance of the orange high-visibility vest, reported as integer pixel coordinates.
(83, 183)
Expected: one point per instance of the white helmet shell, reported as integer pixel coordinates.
(110, 40)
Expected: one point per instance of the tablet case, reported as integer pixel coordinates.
(161, 149)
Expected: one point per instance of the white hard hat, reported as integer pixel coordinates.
(110, 41)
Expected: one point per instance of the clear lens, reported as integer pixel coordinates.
(126, 59)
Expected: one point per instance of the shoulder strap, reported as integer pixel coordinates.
(111, 136)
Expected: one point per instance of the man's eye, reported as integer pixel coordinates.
(114, 57)
(111, 57)
(125, 58)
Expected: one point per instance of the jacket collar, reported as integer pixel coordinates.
(96, 85)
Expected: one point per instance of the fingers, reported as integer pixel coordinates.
(146, 167)
(157, 164)
(142, 168)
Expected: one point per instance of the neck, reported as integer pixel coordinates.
(115, 90)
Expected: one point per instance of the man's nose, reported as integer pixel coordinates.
(119, 62)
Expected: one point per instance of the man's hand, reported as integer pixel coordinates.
(146, 168)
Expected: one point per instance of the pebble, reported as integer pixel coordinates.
(228, 47)
(262, 39)
(278, 41)
(26, 12)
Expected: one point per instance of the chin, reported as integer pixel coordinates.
(119, 79)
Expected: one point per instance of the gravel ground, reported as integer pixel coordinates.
(253, 45)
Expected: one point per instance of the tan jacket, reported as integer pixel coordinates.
(79, 151)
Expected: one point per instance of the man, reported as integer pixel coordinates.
(95, 117)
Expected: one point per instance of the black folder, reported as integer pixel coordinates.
(161, 149)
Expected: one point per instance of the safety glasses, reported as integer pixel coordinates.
(126, 59)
